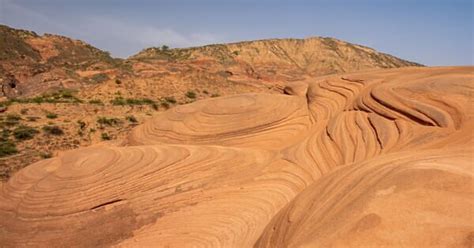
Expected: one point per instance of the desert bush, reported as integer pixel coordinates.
(118, 101)
(105, 136)
(4, 105)
(96, 101)
(32, 118)
(65, 94)
(131, 119)
(132, 101)
(165, 105)
(108, 121)
(4, 135)
(190, 94)
(141, 101)
(24, 132)
(51, 116)
(170, 99)
(53, 130)
(99, 78)
(81, 124)
(12, 119)
(61, 96)
(7, 148)
(46, 155)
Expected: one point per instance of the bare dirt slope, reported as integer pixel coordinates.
(381, 158)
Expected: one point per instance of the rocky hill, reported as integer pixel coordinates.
(31, 64)
(276, 60)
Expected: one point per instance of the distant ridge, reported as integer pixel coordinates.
(314, 55)
(38, 64)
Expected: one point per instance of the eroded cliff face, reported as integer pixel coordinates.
(277, 60)
(366, 159)
(49, 62)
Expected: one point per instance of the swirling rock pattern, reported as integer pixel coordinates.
(370, 159)
(246, 120)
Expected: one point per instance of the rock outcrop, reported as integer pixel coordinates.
(368, 159)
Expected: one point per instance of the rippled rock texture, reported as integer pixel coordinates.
(372, 159)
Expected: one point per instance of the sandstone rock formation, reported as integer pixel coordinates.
(369, 159)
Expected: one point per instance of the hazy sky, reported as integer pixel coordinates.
(431, 32)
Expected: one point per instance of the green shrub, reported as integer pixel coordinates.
(4, 135)
(119, 101)
(7, 148)
(81, 124)
(32, 118)
(66, 94)
(99, 78)
(46, 155)
(24, 132)
(142, 101)
(170, 99)
(53, 130)
(190, 94)
(105, 136)
(12, 119)
(37, 99)
(5, 104)
(131, 119)
(132, 101)
(118, 81)
(96, 101)
(51, 116)
(108, 121)
(61, 96)
(165, 105)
